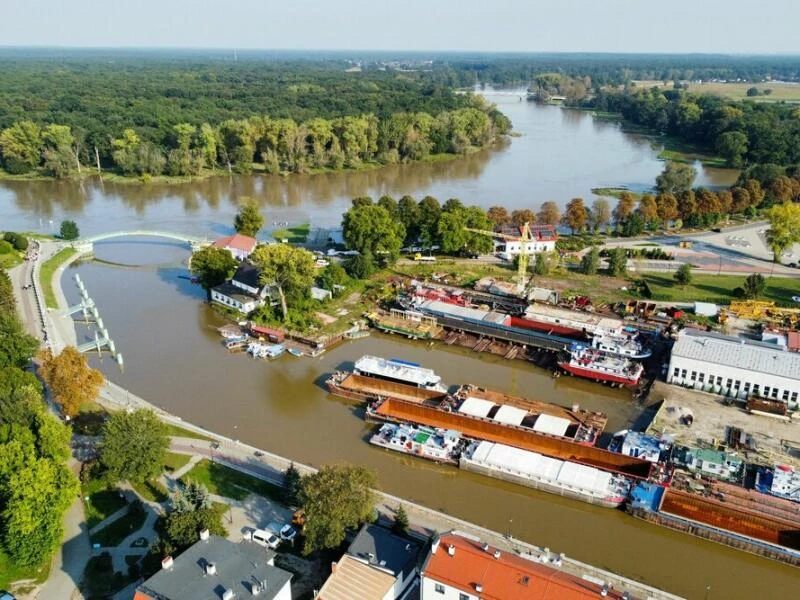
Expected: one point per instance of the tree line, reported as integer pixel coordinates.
(36, 486)
(742, 132)
(274, 145)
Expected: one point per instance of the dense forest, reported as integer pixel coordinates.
(148, 116)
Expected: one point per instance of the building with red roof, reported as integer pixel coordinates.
(462, 568)
(241, 246)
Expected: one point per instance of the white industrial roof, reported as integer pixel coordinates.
(553, 425)
(396, 370)
(738, 353)
(477, 407)
(532, 464)
(511, 415)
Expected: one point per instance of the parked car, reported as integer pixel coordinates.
(6, 596)
(285, 532)
(266, 538)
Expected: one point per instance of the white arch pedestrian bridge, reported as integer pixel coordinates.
(85, 244)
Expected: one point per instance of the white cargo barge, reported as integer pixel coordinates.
(531, 469)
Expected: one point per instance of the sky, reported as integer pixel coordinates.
(671, 26)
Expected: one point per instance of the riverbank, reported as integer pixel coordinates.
(48, 270)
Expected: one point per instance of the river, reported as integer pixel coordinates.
(559, 154)
(173, 356)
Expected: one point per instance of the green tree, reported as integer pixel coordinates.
(676, 178)
(192, 496)
(182, 528)
(409, 215)
(59, 158)
(248, 220)
(429, 213)
(16, 346)
(290, 489)
(370, 229)
(290, 270)
(576, 217)
(334, 278)
(389, 204)
(784, 228)
(634, 225)
(335, 498)
(134, 445)
(590, 263)
(752, 92)
(69, 230)
(361, 266)
(400, 524)
(126, 151)
(732, 146)
(360, 201)
(754, 286)
(21, 147)
(541, 264)
(212, 266)
(683, 276)
(600, 214)
(618, 262)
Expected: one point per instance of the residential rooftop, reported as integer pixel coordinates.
(236, 567)
(466, 564)
(379, 546)
(244, 243)
(350, 576)
(739, 353)
(249, 275)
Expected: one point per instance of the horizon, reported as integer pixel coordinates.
(523, 26)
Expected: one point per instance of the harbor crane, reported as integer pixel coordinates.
(524, 250)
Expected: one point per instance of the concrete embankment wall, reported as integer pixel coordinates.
(486, 429)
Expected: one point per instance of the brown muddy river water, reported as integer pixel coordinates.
(174, 358)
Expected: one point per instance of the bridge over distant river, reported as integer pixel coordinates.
(86, 244)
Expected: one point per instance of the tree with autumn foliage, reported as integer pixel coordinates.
(548, 214)
(71, 380)
(576, 216)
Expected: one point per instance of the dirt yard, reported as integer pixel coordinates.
(711, 416)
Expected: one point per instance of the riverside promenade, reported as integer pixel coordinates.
(260, 463)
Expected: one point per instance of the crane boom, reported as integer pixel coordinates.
(524, 239)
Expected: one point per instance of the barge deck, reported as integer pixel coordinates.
(359, 387)
(394, 410)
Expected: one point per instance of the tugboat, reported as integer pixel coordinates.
(588, 362)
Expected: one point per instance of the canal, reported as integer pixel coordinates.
(174, 358)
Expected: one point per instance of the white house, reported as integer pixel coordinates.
(241, 246)
(244, 291)
(509, 242)
(735, 366)
(378, 565)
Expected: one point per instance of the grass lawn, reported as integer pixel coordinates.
(104, 501)
(10, 572)
(46, 275)
(114, 533)
(612, 192)
(294, 235)
(736, 91)
(174, 461)
(10, 260)
(100, 580)
(176, 431)
(228, 482)
(718, 288)
(151, 490)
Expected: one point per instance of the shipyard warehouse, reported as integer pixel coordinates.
(735, 367)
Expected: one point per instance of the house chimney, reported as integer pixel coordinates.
(435, 544)
(370, 557)
(166, 562)
(478, 588)
(497, 553)
(604, 591)
(227, 594)
(485, 547)
(451, 550)
(211, 569)
(204, 533)
(255, 588)
(334, 564)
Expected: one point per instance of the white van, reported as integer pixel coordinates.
(266, 539)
